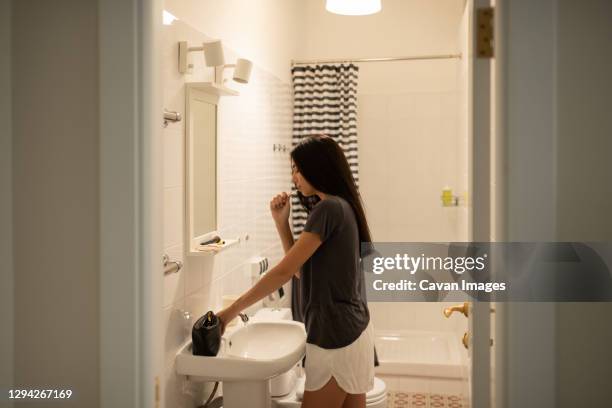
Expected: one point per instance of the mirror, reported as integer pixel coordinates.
(201, 165)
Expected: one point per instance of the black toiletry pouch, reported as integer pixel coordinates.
(206, 335)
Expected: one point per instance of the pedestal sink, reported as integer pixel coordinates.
(248, 358)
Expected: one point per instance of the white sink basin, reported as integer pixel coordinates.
(256, 352)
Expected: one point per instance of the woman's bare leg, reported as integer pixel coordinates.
(328, 396)
(354, 401)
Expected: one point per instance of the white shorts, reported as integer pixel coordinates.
(352, 366)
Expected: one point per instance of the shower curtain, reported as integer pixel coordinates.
(325, 101)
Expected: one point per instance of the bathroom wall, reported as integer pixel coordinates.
(411, 137)
(413, 122)
(55, 197)
(6, 198)
(250, 173)
(403, 27)
(266, 31)
(408, 113)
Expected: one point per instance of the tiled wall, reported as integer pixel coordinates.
(249, 174)
(414, 122)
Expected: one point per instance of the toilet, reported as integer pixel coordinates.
(287, 389)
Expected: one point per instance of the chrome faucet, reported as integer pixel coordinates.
(244, 317)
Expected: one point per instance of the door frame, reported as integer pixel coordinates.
(131, 343)
(525, 132)
(479, 128)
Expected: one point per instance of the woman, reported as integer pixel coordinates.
(340, 344)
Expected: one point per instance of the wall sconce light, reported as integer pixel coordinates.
(242, 71)
(213, 53)
(213, 56)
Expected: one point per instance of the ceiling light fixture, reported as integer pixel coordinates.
(353, 7)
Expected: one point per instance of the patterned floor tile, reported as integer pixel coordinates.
(401, 399)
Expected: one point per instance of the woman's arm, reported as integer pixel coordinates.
(299, 253)
(280, 208)
(286, 236)
(284, 232)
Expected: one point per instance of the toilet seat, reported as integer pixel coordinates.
(378, 392)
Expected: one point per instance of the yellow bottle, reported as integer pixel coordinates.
(447, 197)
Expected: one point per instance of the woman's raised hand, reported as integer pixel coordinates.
(279, 207)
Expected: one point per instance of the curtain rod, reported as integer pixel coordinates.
(412, 58)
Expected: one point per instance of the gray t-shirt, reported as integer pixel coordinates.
(332, 284)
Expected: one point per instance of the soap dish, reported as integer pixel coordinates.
(211, 249)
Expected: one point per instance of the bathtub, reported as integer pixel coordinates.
(420, 353)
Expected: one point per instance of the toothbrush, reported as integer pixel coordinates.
(213, 240)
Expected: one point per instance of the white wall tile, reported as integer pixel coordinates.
(200, 302)
(174, 156)
(174, 288)
(176, 330)
(234, 207)
(173, 216)
(194, 272)
(413, 122)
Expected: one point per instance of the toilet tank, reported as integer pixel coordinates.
(284, 383)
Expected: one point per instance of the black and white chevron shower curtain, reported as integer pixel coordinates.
(325, 102)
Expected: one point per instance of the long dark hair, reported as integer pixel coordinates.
(322, 163)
